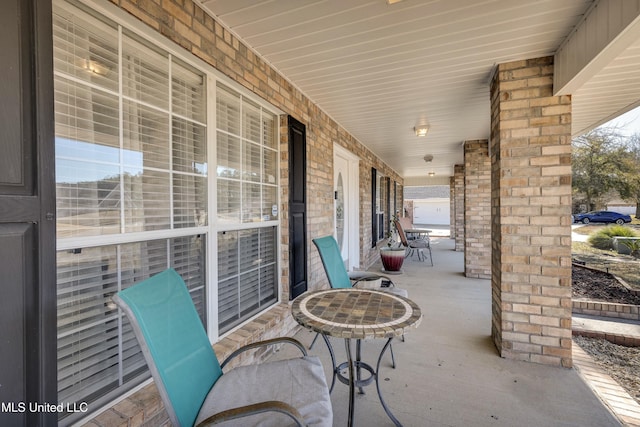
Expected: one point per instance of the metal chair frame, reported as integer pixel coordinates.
(419, 244)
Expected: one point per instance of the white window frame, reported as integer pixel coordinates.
(132, 24)
(239, 224)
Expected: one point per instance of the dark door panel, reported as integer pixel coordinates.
(27, 220)
(16, 248)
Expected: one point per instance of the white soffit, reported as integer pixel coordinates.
(379, 70)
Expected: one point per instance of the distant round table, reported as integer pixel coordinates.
(357, 314)
(419, 233)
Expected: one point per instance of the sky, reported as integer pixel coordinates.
(628, 123)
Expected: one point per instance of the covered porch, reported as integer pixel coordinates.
(448, 371)
(501, 86)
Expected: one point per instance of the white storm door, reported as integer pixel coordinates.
(346, 205)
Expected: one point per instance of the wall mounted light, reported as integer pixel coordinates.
(421, 130)
(431, 173)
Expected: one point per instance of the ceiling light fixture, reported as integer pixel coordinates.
(421, 130)
(428, 157)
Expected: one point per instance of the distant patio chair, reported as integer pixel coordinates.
(337, 273)
(339, 277)
(419, 244)
(405, 221)
(190, 380)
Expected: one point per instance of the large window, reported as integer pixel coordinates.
(384, 206)
(247, 183)
(379, 206)
(136, 128)
(131, 175)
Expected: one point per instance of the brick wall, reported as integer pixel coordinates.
(531, 206)
(458, 184)
(408, 209)
(477, 209)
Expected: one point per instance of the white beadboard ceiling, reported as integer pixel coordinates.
(380, 69)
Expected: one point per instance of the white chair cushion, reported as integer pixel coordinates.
(299, 382)
(396, 291)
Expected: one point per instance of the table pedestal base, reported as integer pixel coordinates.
(332, 312)
(359, 381)
(354, 378)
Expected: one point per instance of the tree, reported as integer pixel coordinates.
(597, 159)
(629, 187)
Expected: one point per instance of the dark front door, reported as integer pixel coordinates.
(297, 208)
(27, 220)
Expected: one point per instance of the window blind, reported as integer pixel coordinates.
(247, 159)
(131, 157)
(247, 274)
(247, 193)
(97, 351)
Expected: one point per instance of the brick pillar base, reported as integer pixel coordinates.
(531, 214)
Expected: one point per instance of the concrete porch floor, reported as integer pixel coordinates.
(448, 370)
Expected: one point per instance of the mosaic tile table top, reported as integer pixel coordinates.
(356, 313)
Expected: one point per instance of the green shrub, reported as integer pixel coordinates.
(634, 247)
(600, 241)
(619, 230)
(603, 239)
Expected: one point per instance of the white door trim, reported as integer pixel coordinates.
(352, 204)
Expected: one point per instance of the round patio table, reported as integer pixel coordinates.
(357, 314)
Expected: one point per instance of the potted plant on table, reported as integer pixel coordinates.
(392, 255)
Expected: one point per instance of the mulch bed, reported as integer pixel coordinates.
(600, 286)
(621, 363)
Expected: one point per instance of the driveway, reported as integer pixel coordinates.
(576, 237)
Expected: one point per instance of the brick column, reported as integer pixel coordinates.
(452, 208)
(477, 209)
(531, 208)
(458, 178)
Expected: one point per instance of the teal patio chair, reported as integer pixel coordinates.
(191, 381)
(337, 273)
(339, 277)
